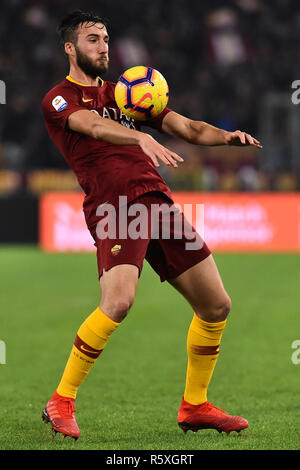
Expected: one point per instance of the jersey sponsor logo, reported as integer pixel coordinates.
(117, 115)
(87, 100)
(130, 125)
(59, 103)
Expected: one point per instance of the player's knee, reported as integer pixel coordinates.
(226, 307)
(118, 307)
(217, 311)
(220, 311)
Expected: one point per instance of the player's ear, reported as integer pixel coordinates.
(69, 48)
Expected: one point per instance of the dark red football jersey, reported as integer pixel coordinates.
(104, 171)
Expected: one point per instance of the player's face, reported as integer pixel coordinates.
(92, 49)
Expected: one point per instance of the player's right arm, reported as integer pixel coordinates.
(99, 128)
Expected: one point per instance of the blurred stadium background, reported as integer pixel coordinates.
(230, 63)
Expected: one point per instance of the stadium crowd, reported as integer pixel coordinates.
(223, 61)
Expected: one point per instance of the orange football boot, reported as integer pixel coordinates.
(60, 413)
(207, 416)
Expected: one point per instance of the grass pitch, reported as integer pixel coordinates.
(131, 397)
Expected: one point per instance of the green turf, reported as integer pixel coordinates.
(131, 398)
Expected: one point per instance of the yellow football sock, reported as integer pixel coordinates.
(203, 343)
(90, 341)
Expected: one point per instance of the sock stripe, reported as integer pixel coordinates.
(86, 349)
(204, 350)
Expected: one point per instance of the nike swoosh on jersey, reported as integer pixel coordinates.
(86, 100)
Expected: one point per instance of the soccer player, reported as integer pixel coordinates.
(111, 156)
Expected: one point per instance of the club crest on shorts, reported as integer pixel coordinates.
(116, 250)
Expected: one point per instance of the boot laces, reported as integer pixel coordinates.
(213, 407)
(66, 408)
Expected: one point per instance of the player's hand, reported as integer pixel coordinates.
(241, 138)
(157, 152)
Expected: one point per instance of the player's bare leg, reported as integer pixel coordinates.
(118, 291)
(118, 286)
(202, 286)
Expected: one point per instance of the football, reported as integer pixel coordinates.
(142, 93)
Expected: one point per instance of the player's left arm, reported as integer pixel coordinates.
(201, 133)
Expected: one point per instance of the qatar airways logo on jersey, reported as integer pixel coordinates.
(117, 115)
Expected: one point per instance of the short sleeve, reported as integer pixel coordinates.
(58, 105)
(156, 122)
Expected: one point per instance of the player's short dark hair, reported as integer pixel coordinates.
(67, 28)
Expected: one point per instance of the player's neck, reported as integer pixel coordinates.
(80, 77)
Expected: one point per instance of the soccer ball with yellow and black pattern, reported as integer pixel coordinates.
(142, 93)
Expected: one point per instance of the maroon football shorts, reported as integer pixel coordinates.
(162, 239)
